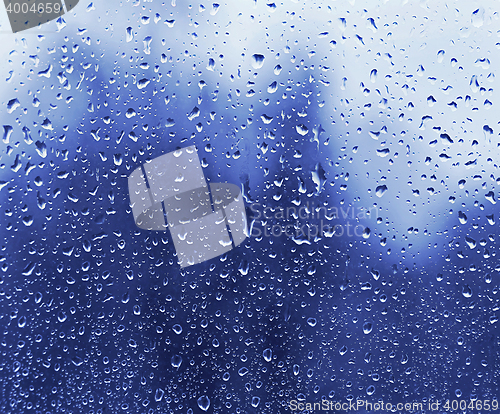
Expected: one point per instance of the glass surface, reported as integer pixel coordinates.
(355, 142)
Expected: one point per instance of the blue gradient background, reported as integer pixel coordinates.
(89, 302)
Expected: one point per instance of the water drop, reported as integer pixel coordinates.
(215, 9)
(273, 87)
(477, 19)
(143, 83)
(61, 317)
(462, 218)
(7, 132)
(195, 112)
(204, 403)
(130, 35)
(159, 394)
(12, 105)
(467, 291)
(257, 61)
(77, 361)
(381, 190)
(21, 322)
(130, 113)
(302, 129)
(255, 401)
(176, 361)
(266, 119)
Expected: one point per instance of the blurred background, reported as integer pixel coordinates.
(339, 107)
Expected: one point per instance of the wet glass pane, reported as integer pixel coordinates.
(249, 207)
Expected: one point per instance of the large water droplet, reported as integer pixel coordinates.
(159, 394)
(194, 113)
(462, 218)
(380, 190)
(176, 361)
(467, 291)
(477, 17)
(255, 401)
(204, 403)
(302, 129)
(257, 61)
(273, 87)
(77, 361)
(366, 233)
(12, 105)
(21, 322)
(311, 322)
(130, 35)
